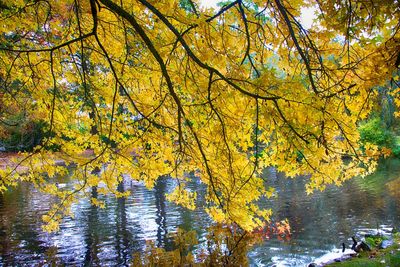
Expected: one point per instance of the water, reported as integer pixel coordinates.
(320, 222)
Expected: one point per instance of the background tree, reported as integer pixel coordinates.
(167, 88)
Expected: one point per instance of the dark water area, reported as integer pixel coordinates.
(320, 222)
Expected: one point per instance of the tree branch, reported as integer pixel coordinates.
(192, 55)
(282, 10)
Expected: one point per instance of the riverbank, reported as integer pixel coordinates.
(378, 256)
(5, 158)
(381, 250)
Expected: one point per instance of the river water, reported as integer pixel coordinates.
(320, 222)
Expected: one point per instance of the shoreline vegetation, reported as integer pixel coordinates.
(381, 249)
(378, 256)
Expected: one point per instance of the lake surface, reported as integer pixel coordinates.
(108, 237)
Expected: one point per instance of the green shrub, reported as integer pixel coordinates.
(374, 131)
(396, 150)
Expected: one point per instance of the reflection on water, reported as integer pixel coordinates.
(322, 221)
(110, 236)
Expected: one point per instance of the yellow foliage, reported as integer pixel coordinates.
(142, 89)
(183, 197)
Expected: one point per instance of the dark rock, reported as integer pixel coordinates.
(364, 246)
(359, 246)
